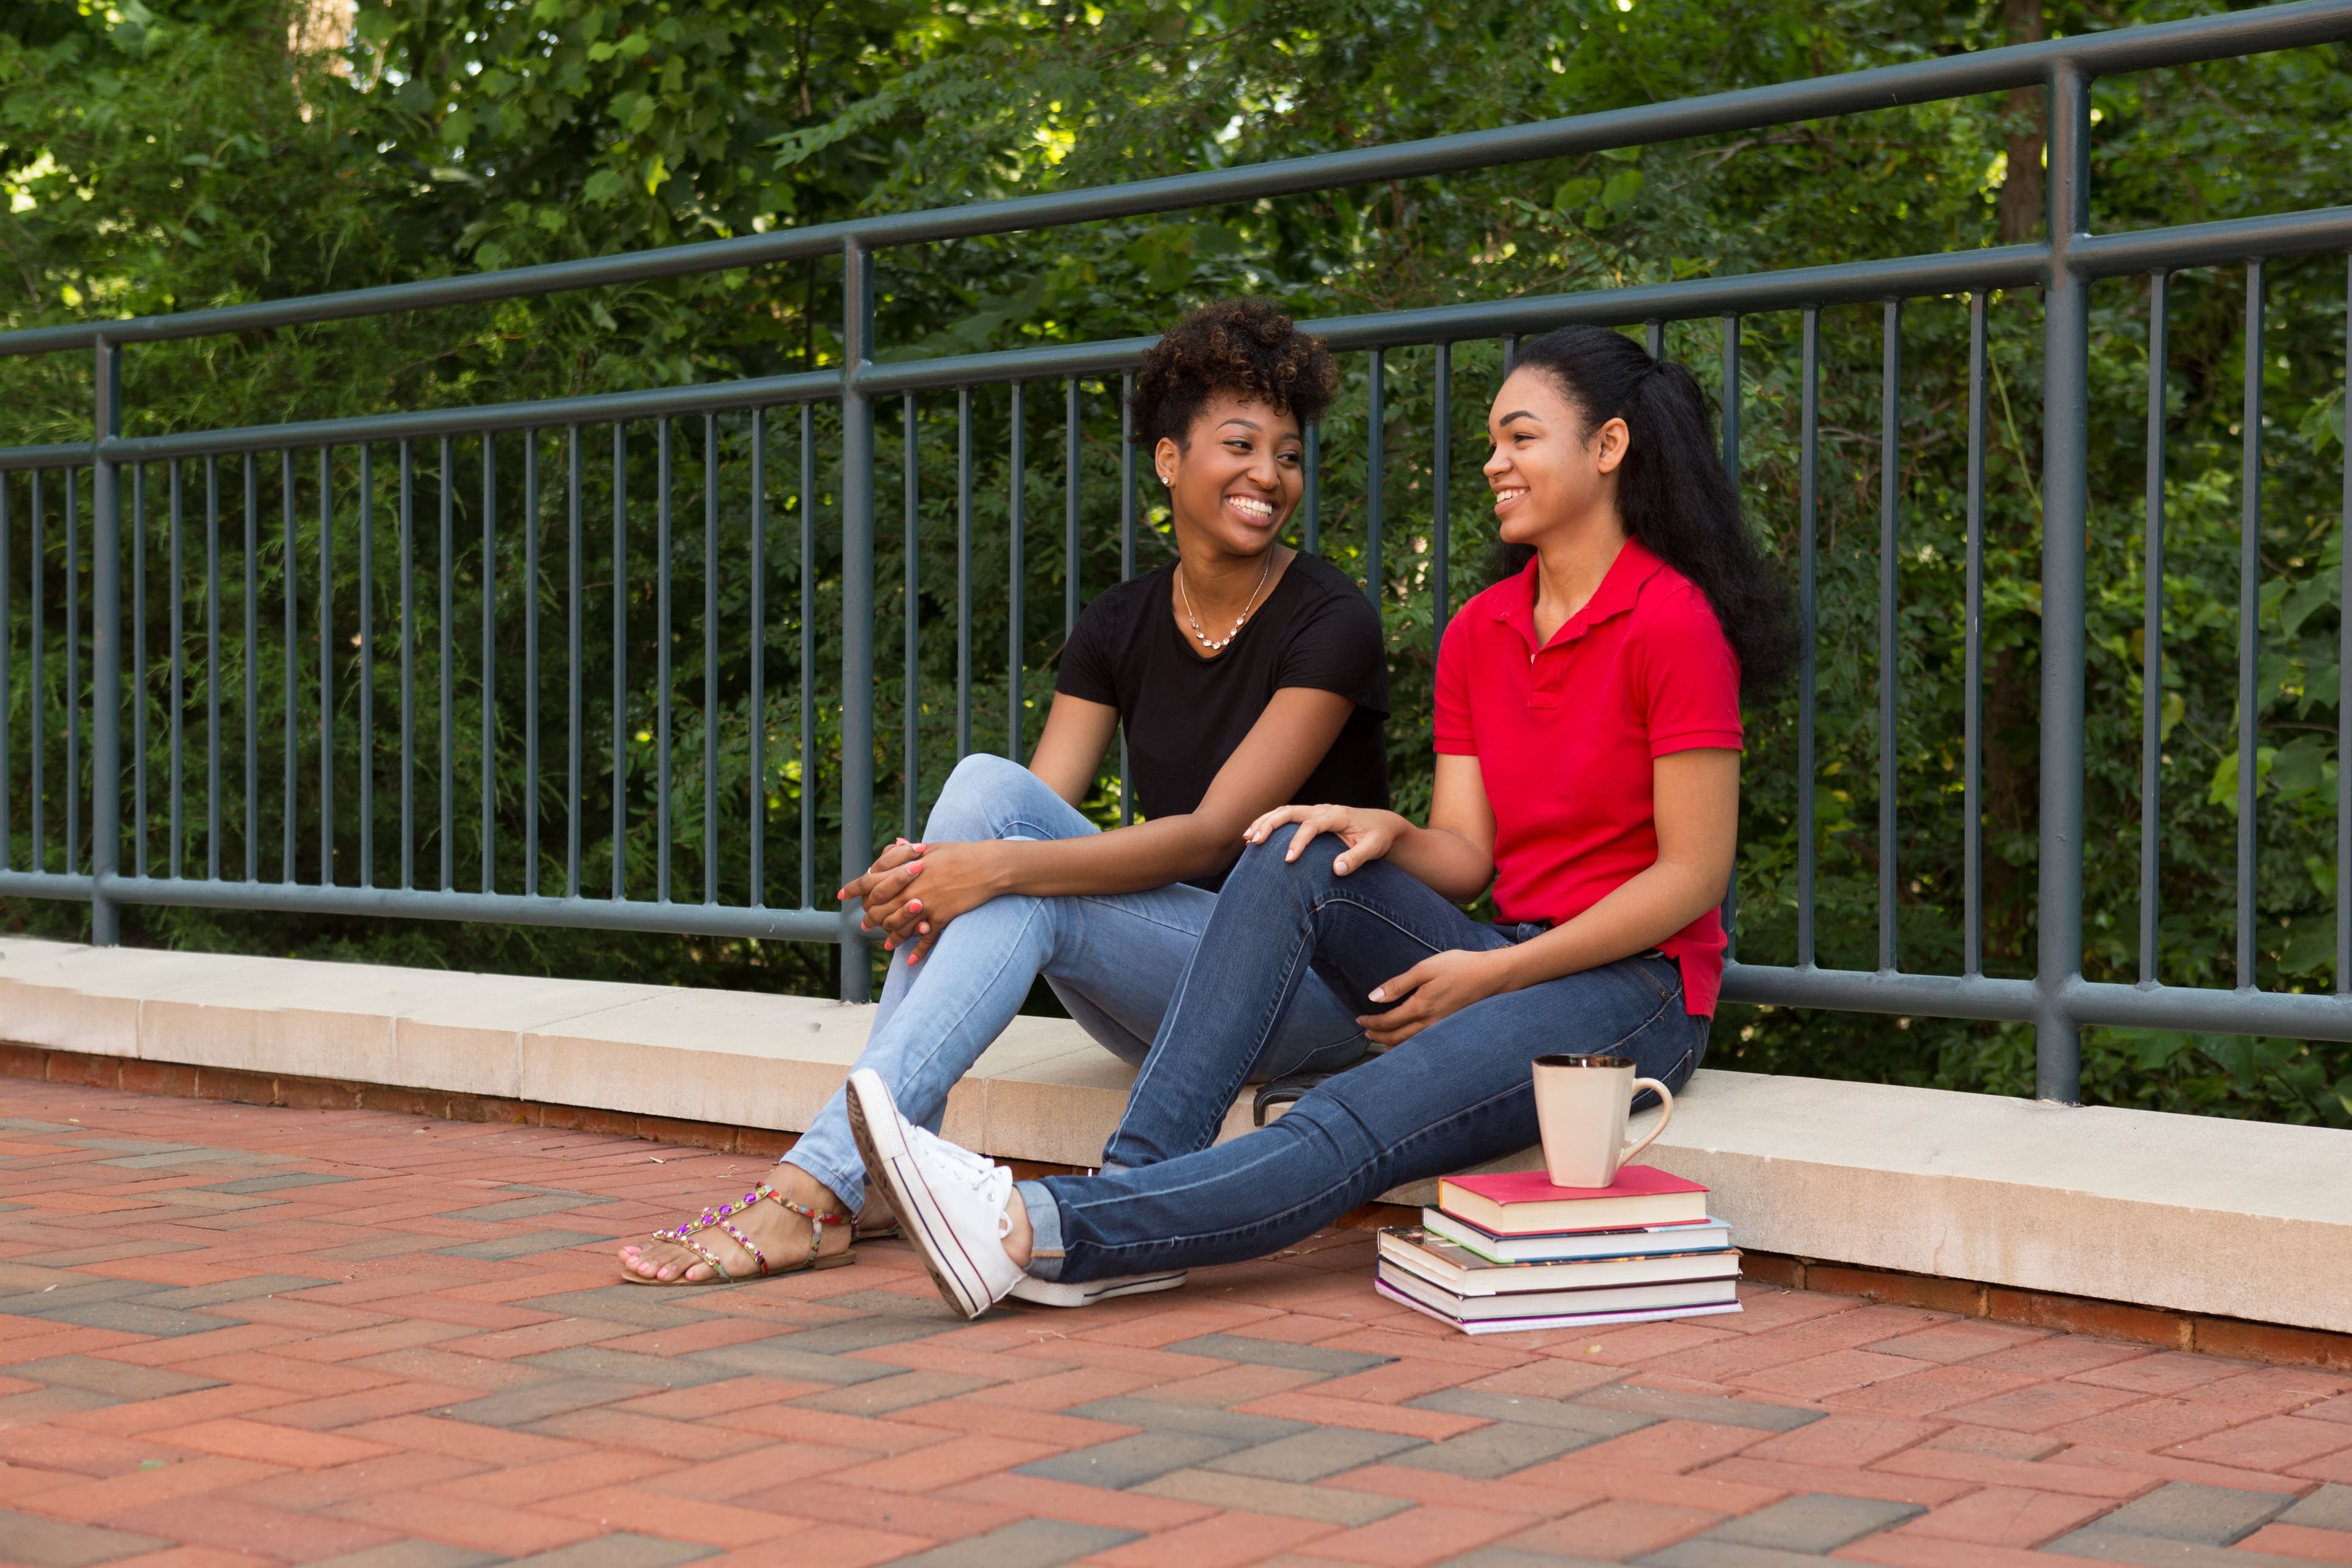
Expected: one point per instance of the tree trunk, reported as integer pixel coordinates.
(2019, 210)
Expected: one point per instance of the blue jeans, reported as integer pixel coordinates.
(1114, 958)
(1456, 1094)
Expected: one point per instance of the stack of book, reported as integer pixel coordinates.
(1510, 1251)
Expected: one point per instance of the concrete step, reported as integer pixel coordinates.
(2239, 1219)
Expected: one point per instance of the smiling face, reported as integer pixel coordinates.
(1549, 473)
(1235, 479)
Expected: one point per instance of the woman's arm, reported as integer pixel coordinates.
(1455, 854)
(1274, 759)
(1696, 798)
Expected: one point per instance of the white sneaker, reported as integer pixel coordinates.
(951, 1203)
(1084, 1293)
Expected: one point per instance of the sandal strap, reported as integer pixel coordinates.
(745, 1242)
(818, 1220)
(684, 1236)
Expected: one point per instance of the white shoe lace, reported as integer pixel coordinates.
(990, 1181)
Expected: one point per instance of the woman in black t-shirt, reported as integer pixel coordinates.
(1247, 676)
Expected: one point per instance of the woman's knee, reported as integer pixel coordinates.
(977, 798)
(1264, 866)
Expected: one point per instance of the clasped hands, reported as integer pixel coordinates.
(956, 878)
(1439, 985)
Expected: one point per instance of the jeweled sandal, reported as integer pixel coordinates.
(721, 1217)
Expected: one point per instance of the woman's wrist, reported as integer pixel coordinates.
(1000, 866)
(1510, 969)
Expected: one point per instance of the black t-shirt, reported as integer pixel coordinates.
(1186, 714)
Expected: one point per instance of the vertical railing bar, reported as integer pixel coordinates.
(1127, 557)
(1375, 467)
(73, 670)
(34, 622)
(1016, 526)
(2250, 589)
(620, 658)
(575, 769)
(808, 655)
(212, 669)
(2065, 520)
(1511, 352)
(37, 706)
(37, 738)
(8, 719)
(1654, 337)
(448, 690)
(73, 680)
(2151, 658)
(252, 681)
(177, 705)
(857, 513)
(963, 572)
(530, 666)
(286, 864)
(709, 658)
(1973, 697)
(756, 851)
(367, 664)
(1441, 495)
(661, 659)
(138, 667)
(1808, 530)
(2342, 664)
(326, 666)
(1311, 535)
(1729, 401)
(106, 647)
(910, 694)
(489, 576)
(407, 666)
(1890, 468)
(1071, 435)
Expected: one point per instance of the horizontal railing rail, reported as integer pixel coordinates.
(642, 721)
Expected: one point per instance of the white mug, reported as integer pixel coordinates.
(1581, 1104)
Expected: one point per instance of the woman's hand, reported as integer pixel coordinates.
(1368, 834)
(926, 893)
(883, 885)
(1439, 985)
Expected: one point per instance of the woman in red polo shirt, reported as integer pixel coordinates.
(1588, 736)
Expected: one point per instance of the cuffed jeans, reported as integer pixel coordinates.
(1456, 1094)
(1114, 958)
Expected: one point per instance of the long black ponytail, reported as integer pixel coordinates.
(1672, 493)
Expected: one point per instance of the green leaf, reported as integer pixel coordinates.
(2322, 425)
(2300, 767)
(602, 186)
(1621, 190)
(2309, 951)
(2304, 600)
(1576, 194)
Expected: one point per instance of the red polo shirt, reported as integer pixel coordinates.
(1565, 733)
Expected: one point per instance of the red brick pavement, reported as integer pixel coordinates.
(232, 1335)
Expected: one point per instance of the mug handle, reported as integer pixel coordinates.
(1666, 1097)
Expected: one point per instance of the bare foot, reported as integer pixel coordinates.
(782, 1236)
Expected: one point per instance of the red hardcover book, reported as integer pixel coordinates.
(1523, 1203)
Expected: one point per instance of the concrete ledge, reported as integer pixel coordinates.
(2246, 1220)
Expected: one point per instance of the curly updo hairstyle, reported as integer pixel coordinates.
(1248, 347)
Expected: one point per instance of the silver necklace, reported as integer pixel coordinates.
(1216, 644)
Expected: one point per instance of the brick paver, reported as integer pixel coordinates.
(232, 1335)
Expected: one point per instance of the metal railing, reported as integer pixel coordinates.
(472, 461)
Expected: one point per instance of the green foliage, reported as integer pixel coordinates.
(182, 155)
